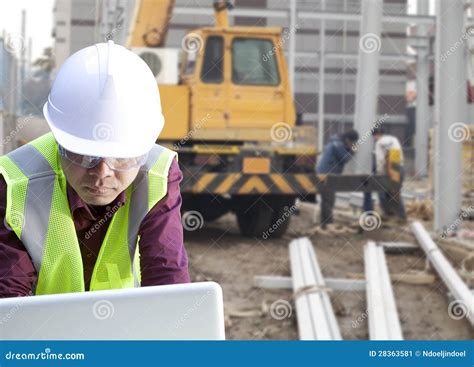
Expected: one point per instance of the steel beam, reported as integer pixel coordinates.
(387, 18)
(327, 15)
(354, 56)
(282, 282)
(316, 318)
(445, 270)
(384, 323)
(383, 57)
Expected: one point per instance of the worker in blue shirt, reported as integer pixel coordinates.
(336, 153)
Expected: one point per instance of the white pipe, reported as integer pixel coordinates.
(445, 270)
(315, 315)
(283, 282)
(384, 323)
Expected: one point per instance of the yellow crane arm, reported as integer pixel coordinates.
(150, 23)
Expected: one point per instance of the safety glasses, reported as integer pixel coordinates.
(116, 164)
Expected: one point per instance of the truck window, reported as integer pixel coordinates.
(213, 63)
(254, 62)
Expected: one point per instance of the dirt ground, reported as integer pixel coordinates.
(217, 252)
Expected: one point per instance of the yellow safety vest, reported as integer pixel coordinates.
(394, 164)
(38, 212)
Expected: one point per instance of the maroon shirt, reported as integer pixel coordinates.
(163, 258)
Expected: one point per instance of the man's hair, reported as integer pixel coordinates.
(378, 130)
(351, 135)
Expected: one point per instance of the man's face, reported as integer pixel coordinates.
(99, 185)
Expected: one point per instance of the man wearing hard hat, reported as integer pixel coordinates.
(95, 204)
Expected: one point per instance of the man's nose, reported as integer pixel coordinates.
(101, 170)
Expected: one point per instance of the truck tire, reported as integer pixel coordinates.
(266, 217)
(283, 208)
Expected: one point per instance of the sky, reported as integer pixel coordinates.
(40, 20)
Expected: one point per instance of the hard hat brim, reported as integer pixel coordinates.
(101, 147)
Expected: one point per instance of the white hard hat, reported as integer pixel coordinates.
(105, 102)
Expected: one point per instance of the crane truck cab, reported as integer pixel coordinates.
(231, 117)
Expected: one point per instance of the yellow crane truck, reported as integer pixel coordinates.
(231, 118)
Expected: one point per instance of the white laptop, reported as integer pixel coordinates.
(171, 312)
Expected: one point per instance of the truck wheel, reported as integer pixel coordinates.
(266, 217)
(283, 208)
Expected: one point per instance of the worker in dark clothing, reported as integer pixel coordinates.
(337, 152)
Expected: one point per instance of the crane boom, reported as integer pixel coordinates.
(151, 22)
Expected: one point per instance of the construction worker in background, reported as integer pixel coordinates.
(388, 155)
(336, 153)
(95, 204)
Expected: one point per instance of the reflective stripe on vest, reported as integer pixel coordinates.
(38, 212)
